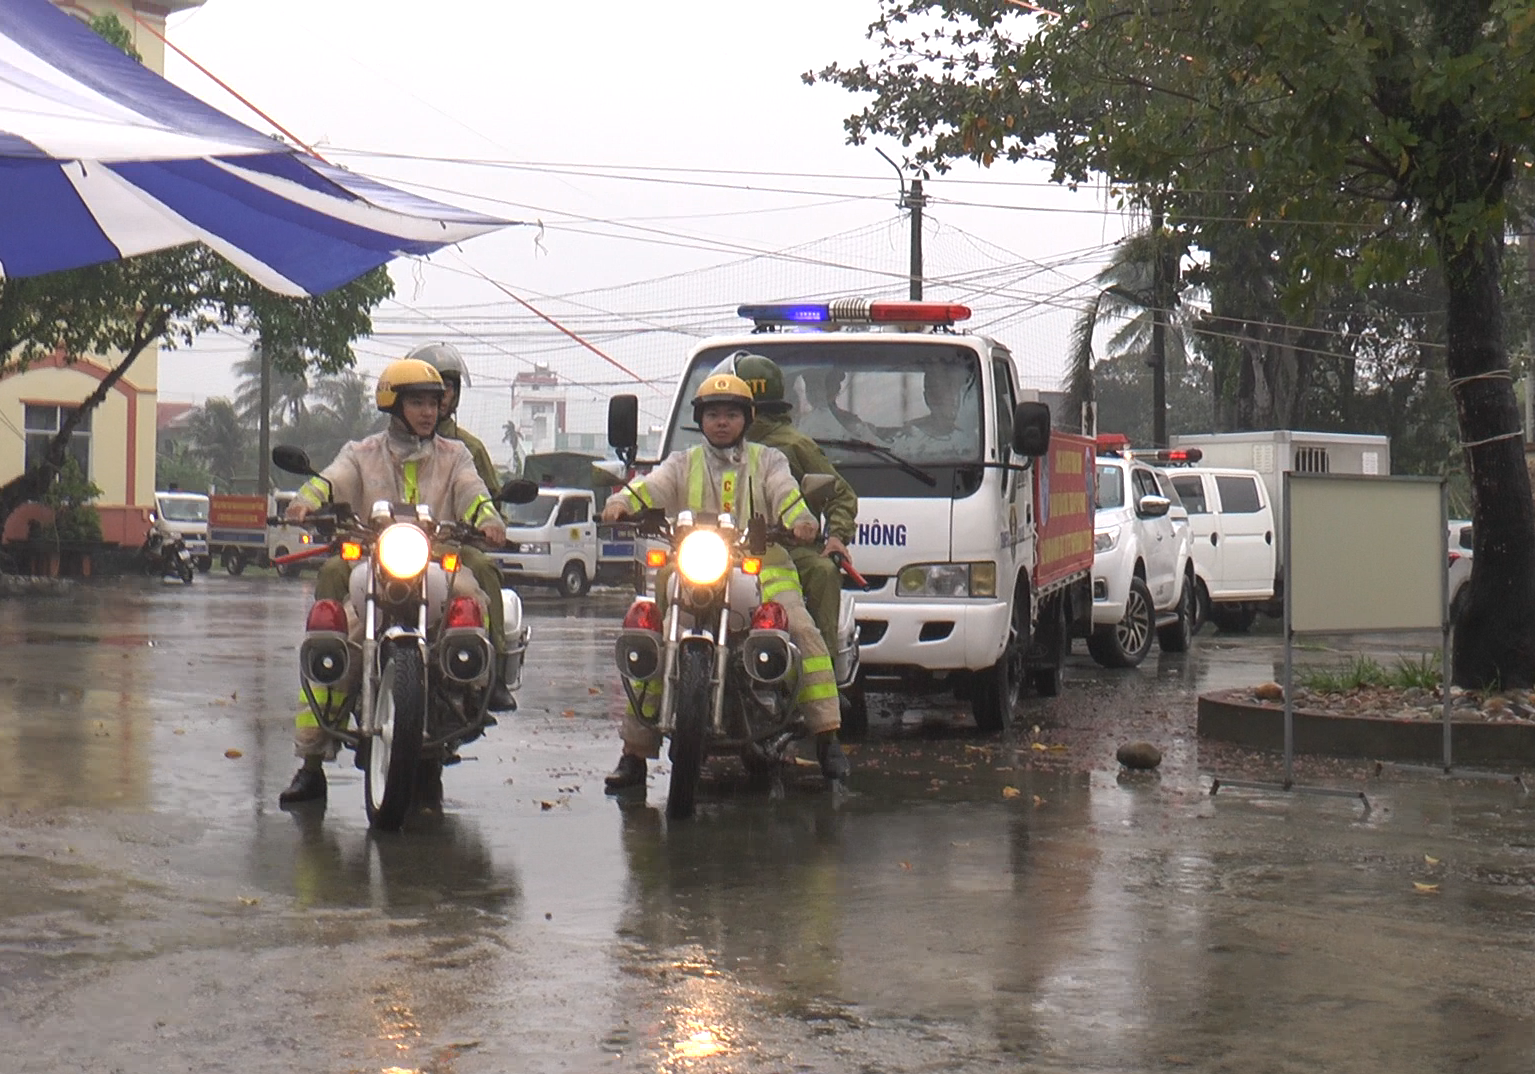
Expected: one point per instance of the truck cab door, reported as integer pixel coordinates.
(1204, 533)
(1161, 545)
(576, 531)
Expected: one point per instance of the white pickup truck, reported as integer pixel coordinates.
(556, 540)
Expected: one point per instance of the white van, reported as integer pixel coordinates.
(1231, 521)
(186, 515)
(556, 539)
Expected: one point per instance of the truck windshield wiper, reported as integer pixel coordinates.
(884, 453)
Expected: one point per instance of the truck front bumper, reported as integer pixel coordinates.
(1111, 586)
(931, 635)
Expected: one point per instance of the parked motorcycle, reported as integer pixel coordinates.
(417, 686)
(716, 673)
(165, 555)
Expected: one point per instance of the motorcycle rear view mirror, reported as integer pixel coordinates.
(518, 490)
(624, 425)
(294, 460)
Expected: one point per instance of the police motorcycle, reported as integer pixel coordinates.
(717, 673)
(417, 687)
(166, 554)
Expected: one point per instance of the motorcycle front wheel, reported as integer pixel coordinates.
(185, 570)
(399, 711)
(694, 695)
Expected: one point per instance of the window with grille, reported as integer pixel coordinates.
(42, 421)
(1311, 460)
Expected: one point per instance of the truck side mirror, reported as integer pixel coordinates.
(624, 422)
(518, 490)
(1031, 429)
(293, 459)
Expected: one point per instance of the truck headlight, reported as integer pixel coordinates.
(947, 580)
(1105, 540)
(403, 551)
(703, 558)
(533, 548)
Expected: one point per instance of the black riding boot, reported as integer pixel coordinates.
(828, 751)
(630, 772)
(308, 785)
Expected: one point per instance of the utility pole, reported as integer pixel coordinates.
(264, 427)
(912, 200)
(1159, 305)
(915, 201)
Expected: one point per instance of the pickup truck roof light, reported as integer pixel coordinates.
(855, 311)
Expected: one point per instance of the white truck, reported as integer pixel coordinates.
(242, 533)
(556, 540)
(975, 521)
(185, 514)
(1272, 453)
(1143, 566)
(1236, 544)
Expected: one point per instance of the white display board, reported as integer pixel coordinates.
(1364, 553)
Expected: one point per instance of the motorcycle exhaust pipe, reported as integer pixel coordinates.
(768, 655)
(323, 658)
(465, 656)
(638, 653)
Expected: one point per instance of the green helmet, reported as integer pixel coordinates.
(762, 373)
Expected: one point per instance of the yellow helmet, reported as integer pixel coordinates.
(404, 374)
(723, 388)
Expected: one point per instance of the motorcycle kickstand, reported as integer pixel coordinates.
(777, 754)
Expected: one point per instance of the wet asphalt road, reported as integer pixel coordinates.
(975, 905)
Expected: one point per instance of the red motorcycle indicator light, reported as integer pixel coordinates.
(655, 557)
(351, 551)
(463, 612)
(327, 615)
(770, 615)
(643, 615)
(450, 561)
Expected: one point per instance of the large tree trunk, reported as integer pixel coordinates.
(1495, 640)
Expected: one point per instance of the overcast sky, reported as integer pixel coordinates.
(640, 137)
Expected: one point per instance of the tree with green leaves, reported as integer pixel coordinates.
(1380, 136)
(222, 441)
(122, 308)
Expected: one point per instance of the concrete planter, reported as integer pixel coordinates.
(1232, 716)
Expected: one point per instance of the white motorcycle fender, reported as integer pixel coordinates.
(517, 635)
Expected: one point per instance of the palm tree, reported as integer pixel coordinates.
(1125, 295)
(290, 391)
(347, 412)
(218, 436)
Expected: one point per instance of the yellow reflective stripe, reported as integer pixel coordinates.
(305, 716)
(776, 580)
(479, 504)
(816, 663)
(819, 691)
(311, 494)
(640, 497)
(696, 480)
(410, 469)
(792, 507)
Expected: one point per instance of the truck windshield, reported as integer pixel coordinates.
(183, 508)
(918, 398)
(534, 513)
(1111, 486)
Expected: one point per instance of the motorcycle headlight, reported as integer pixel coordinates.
(403, 551)
(1105, 540)
(703, 557)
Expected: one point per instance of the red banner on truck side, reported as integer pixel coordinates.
(237, 512)
(1063, 509)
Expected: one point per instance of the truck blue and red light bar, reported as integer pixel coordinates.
(854, 311)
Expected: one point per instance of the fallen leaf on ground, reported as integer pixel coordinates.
(248, 900)
(545, 805)
(179, 731)
(1038, 801)
(233, 753)
(568, 713)
(1010, 792)
(905, 865)
(1040, 746)
(1425, 889)
(594, 689)
(1430, 861)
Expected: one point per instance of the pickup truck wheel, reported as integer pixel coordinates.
(1201, 606)
(1177, 637)
(233, 562)
(573, 580)
(1126, 643)
(1238, 620)
(995, 691)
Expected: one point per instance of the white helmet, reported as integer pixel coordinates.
(444, 358)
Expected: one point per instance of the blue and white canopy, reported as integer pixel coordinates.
(100, 158)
